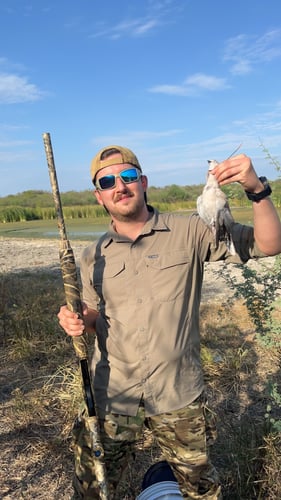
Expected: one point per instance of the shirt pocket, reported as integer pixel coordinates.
(168, 274)
(110, 281)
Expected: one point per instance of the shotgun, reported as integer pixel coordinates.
(73, 301)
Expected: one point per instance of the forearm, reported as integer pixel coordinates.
(267, 227)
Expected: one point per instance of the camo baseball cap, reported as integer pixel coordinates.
(123, 155)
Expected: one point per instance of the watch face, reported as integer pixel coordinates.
(264, 180)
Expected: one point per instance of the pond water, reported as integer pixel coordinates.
(77, 229)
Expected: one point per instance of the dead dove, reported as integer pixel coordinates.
(213, 208)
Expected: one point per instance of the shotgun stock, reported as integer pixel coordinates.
(73, 301)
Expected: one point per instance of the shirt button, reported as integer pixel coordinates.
(139, 301)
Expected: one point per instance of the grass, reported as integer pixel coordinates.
(41, 394)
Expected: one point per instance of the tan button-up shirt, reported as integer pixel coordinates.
(148, 294)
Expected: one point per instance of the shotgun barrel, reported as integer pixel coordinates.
(73, 301)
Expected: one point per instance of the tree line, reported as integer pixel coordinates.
(38, 204)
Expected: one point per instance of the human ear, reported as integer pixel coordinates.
(144, 182)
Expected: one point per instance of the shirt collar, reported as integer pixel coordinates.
(154, 223)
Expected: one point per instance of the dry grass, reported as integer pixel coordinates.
(41, 392)
(238, 370)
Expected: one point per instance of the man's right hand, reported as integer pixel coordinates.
(70, 321)
(73, 325)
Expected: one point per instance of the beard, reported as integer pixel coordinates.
(127, 213)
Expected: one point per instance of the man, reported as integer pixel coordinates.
(141, 291)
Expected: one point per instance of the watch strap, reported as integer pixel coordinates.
(262, 194)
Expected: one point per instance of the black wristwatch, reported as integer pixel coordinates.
(263, 194)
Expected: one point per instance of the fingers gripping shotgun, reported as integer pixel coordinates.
(73, 300)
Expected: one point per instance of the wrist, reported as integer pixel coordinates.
(259, 188)
(262, 191)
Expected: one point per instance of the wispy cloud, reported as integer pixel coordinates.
(16, 157)
(135, 137)
(15, 89)
(14, 143)
(245, 51)
(192, 85)
(14, 150)
(155, 14)
(14, 86)
(8, 127)
(261, 123)
(129, 28)
(207, 82)
(160, 150)
(146, 26)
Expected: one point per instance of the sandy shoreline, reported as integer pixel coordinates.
(19, 254)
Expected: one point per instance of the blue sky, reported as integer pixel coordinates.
(177, 81)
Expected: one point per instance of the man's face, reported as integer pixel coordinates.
(124, 201)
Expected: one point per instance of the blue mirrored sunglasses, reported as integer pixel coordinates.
(109, 181)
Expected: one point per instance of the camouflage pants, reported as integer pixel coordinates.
(184, 437)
